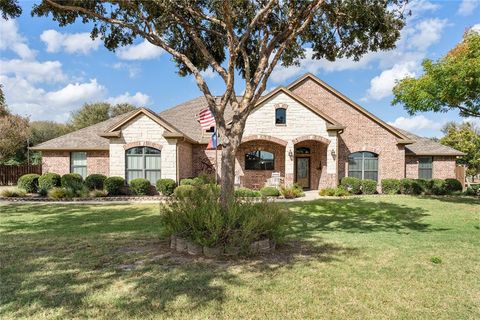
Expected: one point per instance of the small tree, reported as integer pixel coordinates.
(464, 137)
(90, 114)
(241, 37)
(451, 83)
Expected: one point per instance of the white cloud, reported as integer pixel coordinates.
(75, 93)
(381, 86)
(417, 123)
(208, 74)
(35, 71)
(419, 7)
(138, 99)
(428, 32)
(133, 70)
(142, 51)
(11, 39)
(69, 42)
(467, 7)
(475, 28)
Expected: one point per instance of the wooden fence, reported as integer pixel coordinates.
(460, 175)
(10, 174)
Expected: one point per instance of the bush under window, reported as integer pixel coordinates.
(140, 186)
(48, 181)
(95, 181)
(166, 186)
(114, 185)
(29, 182)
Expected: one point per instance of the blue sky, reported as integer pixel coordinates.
(48, 71)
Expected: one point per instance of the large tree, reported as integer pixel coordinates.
(241, 40)
(466, 138)
(451, 83)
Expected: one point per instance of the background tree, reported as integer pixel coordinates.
(10, 9)
(237, 37)
(121, 108)
(14, 131)
(451, 83)
(92, 113)
(464, 137)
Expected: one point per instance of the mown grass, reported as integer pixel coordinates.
(372, 257)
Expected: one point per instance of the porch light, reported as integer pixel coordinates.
(290, 154)
(333, 153)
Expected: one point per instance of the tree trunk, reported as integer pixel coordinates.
(227, 177)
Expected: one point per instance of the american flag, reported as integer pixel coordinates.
(206, 119)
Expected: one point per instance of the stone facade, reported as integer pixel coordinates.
(138, 130)
(361, 132)
(59, 162)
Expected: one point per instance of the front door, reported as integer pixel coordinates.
(302, 176)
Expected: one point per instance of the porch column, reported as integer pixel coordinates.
(289, 166)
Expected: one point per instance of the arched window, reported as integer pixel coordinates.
(363, 165)
(259, 160)
(302, 150)
(280, 116)
(143, 162)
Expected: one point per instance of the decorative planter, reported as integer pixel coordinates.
(194, 249)
(212, 252)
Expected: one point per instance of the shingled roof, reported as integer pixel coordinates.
(84, 139)
(427, 147)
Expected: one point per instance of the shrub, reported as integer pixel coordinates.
(200, 219)
(247, 193)
(292, 192)
(140, 186)
(48, 181)
(452, 185)
(28, 182)
(337, 192)
(13, 193)
(473, 190)
(72, 181)
(369, 186)
(270, 192)
(438, 187)
(187, 182)
(354, 185)
(183, 191)
(390, 186)
(114, 185)
(204, 178)
(166, 186)
(95, 193)
(410, 186)
(95, 181)
(61, 193)
(425, 185)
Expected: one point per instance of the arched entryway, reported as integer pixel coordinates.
(310, 161)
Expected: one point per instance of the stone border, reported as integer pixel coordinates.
(182, 245)
(89, 199)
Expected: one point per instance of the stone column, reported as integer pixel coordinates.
(289, 165)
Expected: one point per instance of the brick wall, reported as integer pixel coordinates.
(443, 167)
(361, 133)
(185, 168)
(59, 162)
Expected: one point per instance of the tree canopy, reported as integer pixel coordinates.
(451, 83)
(464, 137)
(92, 113)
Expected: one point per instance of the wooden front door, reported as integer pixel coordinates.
(302, 172)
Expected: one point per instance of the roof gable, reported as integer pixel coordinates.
(402, 138)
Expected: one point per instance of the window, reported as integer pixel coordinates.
(259, 160)
(143, 162)
(425, 165)
(78, 163)
(363, 165)
(302, 150)
(280, 116)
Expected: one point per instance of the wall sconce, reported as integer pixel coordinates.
(290, 154)
(333, 153)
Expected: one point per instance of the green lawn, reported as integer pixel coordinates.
(353, 258)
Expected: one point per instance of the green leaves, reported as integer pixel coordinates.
(453, 82)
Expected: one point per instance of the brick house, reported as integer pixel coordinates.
(307, 133)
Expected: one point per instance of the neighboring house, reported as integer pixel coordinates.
(307, 132)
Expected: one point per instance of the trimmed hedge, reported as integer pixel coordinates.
(183, 191)
(114, 185)
(247, 193)
(354, 185)
(72, 181)
(48, 181)
(369, 186)
(410, 186)
(29, 182)
(166, 186)
(337, 192)
(391, 186)
(452, 185)
(95, 181)
(270, 192)
(438, 187)
(140, 186)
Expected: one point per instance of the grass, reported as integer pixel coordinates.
(372, 257)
